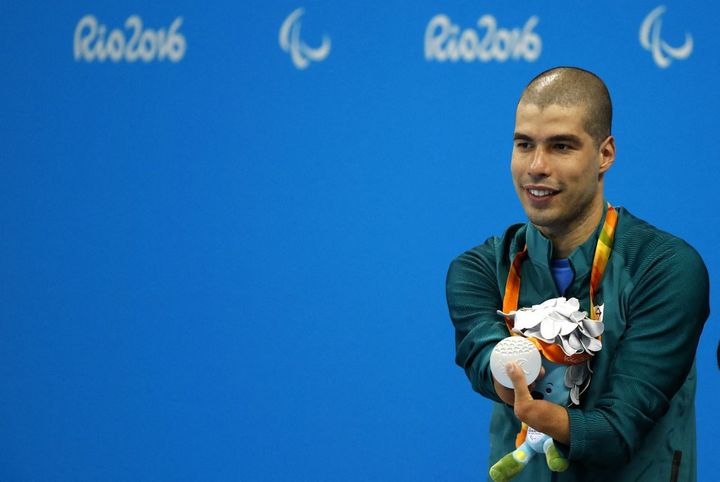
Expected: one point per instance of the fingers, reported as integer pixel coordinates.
(517, 376)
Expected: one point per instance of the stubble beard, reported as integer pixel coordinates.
(563, 223)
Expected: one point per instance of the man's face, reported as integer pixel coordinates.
(556, 167)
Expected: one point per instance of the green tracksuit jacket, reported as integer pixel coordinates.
(636, 421)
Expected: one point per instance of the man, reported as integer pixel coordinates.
(636, 419)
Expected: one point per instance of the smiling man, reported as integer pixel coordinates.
(636, 419)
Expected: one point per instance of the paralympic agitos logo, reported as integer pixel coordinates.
(291, 42)
(650, 38)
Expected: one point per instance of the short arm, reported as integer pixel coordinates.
(546, 417)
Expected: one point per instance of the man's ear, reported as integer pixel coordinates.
(607, 154)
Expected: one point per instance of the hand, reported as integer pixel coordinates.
(521, 392)
(507, 395)
(544, 416)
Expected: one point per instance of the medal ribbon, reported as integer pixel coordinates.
(603, 249)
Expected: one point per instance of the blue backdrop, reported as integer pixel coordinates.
(226, 225)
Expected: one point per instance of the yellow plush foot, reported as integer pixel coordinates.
(555, 461)
(505, 469)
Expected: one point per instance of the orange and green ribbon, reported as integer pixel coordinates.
(603, 249)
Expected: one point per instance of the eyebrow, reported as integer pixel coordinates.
(569, 138)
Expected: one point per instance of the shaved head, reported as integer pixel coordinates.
(570, 87)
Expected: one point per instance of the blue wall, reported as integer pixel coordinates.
(220, 266)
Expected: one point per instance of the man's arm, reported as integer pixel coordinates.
(546, 417)
(473, 297)
(665, 305)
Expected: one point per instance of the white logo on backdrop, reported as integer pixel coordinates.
(300, 53)
(445, 41)
(663, 54)
(93, 42)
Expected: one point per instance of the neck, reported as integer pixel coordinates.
(564, 241)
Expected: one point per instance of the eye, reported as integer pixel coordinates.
(522, 145)
(562, 147)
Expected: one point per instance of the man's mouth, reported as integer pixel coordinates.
(540, 192)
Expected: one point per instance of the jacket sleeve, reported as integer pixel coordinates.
(667, 304)
(473, 297)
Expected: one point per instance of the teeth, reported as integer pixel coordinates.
(539, 192)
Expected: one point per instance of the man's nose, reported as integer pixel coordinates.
(539, 165)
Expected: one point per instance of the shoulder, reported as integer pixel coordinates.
(645, 247)
(480, 271)
(492, 251)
